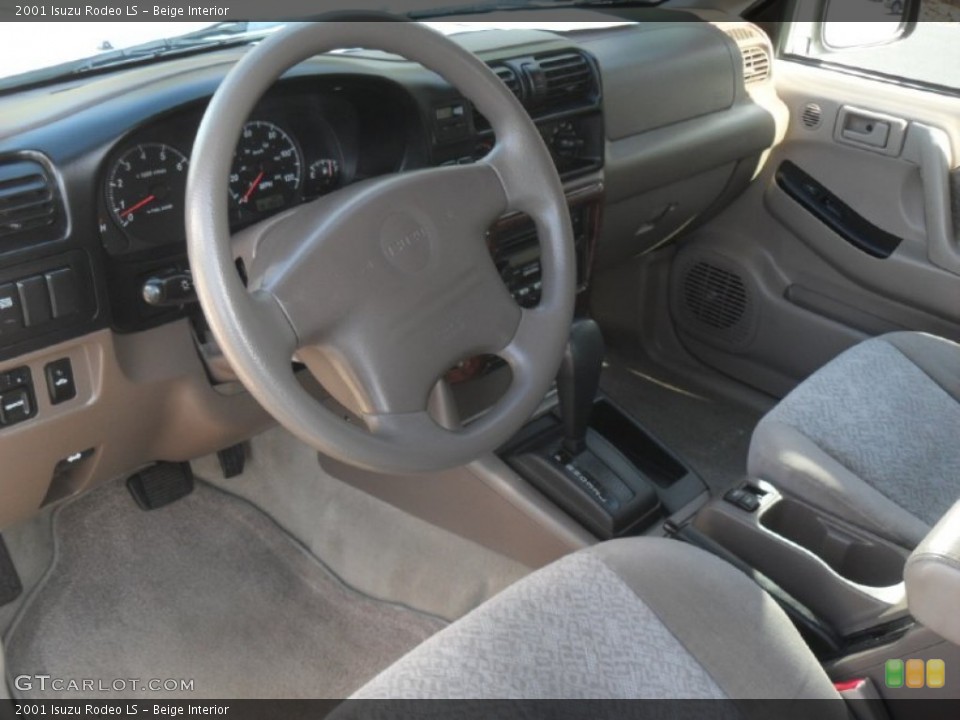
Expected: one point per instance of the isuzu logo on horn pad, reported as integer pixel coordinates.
(405, 243)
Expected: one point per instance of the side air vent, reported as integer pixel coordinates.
(713, 300)
(742, 33)
(564, 78)
(754, 49)
(30, 205)
(812, 116)
(756, 64)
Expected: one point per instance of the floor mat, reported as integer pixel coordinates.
(711, 435)
(207, 589)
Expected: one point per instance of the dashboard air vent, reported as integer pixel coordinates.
(756, 64)
(509, 78)
(566, 77)
(30, 206)
(812, 116)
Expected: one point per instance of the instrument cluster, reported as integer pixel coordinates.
(293, 149)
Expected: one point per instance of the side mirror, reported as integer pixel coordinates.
(849, 24)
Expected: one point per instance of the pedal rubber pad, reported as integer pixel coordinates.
(161, 484)
(10, 585)
(232, 460)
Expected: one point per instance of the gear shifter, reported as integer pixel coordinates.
(577, 383)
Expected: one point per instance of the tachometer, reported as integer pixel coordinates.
(266, 173)
(145, 192)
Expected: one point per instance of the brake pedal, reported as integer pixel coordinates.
(161, 484)
(232, 460)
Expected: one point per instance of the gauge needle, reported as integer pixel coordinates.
(253, 186)
(129, 210)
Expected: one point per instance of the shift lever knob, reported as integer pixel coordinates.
(577, 382)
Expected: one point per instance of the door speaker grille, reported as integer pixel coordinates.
(717, 298)
(714, 301)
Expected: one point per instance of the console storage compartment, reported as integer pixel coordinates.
(854, 557)
(850, 578)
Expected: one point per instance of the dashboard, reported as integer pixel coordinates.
(105, 361)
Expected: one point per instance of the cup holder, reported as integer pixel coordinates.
(857, 557)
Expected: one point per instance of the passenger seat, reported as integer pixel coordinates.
(872, 437)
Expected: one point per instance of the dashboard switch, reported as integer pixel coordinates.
(15, 406)
(35, 301)
(11, 317)
(14, 378)
(64, 292)
(60, 382)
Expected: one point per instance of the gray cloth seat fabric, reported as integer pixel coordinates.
(872, 437)
(639, 618)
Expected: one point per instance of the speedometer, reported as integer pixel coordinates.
(266, 173)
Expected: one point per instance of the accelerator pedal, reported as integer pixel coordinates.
(232, 460)
(161, 484)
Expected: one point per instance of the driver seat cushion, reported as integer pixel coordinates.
(872, 437)
(638, 618)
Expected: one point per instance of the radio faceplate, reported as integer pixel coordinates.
(515, 247)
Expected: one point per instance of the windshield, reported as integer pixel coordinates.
(64, 47)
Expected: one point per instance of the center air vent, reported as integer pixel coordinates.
(756, 64)
(563, 78)
(30, 206)
(509, 78)
(548, 83)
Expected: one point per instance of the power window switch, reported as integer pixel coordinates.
(60, 382)
(15, 406)
(35, 301)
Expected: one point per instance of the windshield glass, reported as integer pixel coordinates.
(26, 47)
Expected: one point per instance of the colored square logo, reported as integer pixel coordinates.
(936, 674)
(893, 673)
(914, 673)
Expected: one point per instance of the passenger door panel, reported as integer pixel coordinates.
(879, 252)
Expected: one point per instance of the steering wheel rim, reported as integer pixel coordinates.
(421, 285)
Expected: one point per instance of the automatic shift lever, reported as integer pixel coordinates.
(577, 382)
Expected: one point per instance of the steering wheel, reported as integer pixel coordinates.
(382, 286)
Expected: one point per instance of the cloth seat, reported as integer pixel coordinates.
(872, 437)
(637, 618)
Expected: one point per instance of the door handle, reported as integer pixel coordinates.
(870, 130)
